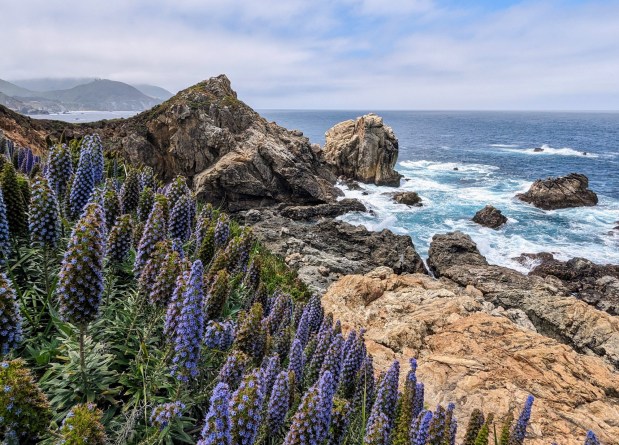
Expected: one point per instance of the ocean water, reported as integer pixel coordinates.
(495, 158)
(76, 117)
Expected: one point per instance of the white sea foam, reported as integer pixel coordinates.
(448, 166)
(450, 200)
(551, 151)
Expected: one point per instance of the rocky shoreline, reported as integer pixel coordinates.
(487, 334)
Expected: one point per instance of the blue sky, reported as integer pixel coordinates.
(332, 54)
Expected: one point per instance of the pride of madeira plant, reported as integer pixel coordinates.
(158, 322)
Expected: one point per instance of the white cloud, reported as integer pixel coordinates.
(325, 54)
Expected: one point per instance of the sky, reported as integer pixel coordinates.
(332, 54)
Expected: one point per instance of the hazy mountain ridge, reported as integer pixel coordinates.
(96, 94)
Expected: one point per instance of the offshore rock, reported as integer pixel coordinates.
(560, 193)
(469, 356)
(407, 198)
(233, 157)
(546, 301)
(490, 216)
(363, 149)
(323, 251)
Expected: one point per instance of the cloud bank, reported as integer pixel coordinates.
(415, 54)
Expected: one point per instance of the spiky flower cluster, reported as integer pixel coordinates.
(10, 317)
(92, 143)
(154, 232)
(176, 189)
(181, 218)
(163, 286)
(130, 192)
(27, 160)
(310, 424)
(83, 184)
(14, 201)
(386, 398)
(246, 409)
(279, 402)
(219, 335)
(222, 232)
(119, 240)
(80, 284)
(44, 218)
(520, 428)
(165, 413)
(59, 170)
(216, 429)
(5, 236)
(217, 296)
(232, 371)
(145, 204)
(82, 425)
(111, 204)
(189, 330)
(24, 409)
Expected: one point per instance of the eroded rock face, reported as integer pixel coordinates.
(490, 216)
(474, 356)
(546, 301)
(363, 149)
(560, 193)
(324, 251)
(596, 284)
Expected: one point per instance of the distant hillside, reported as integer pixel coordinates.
(10, 102)
(105, 95)
(154, 91)
(10, 89)
(48, 84)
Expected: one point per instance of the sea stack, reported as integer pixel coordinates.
(490, 216)
(364, 149)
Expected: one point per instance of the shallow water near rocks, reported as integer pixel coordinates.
(494, 154)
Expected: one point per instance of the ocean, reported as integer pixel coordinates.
(76, 117)
(495, 158)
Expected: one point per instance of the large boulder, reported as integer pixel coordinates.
(474, 354)
(233, 156)
(560, 193)
(364, 149)
(323, 251)
(490, 216)
(407, 198)
(547, 301)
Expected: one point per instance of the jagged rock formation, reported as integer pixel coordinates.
(324, 251)
(329, 210)
(490, 216)
(593, 283)
(363, 149)
(234, 157)
(560, 193)
(475, 355)
(546, 301)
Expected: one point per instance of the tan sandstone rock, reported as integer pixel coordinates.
(363, 149)
(475, 359)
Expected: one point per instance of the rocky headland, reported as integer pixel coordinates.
(486, 335)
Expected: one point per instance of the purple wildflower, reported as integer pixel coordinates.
(163, 414)
(246, 409)
(591, 439)
(154, 231)
(119, 240)
(279, 402)
(520, 429)
(10, 317)
(5, 239)
(80, 284)
(216, 429)
(83, 184)
(188, 334)
(180, 218)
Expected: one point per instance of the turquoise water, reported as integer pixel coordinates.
(493, 152)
